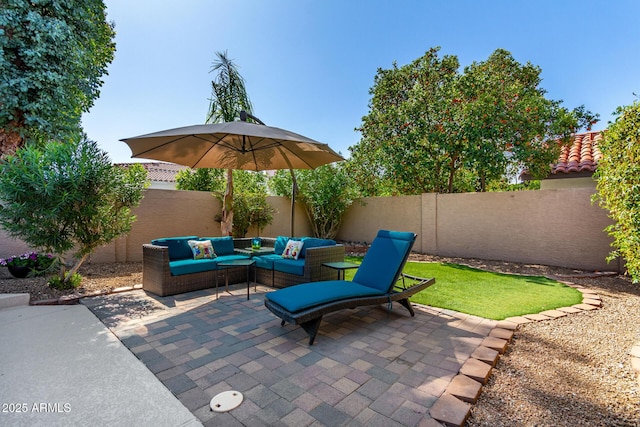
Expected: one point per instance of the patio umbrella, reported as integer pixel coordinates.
(234, 145)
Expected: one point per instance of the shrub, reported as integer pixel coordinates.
(70, 281)
(67, 197)
(618, 185)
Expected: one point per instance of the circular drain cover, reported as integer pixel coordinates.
(226, 401)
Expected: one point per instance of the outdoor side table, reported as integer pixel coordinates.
(266, 250)
(341, 266)
(248, 262)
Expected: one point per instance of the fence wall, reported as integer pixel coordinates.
(554, 227)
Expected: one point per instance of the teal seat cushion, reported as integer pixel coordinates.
(177, 246)
(314, 242)
(308, 295)
(188, 266)
(384, 259)
(266, 261)
(223, 258)
(291, 266)
(221, 245)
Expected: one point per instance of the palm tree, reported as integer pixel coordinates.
(228, 98)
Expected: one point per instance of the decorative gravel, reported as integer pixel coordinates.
(572, 371)
(97, 278)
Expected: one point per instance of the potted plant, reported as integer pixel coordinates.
(20, 266)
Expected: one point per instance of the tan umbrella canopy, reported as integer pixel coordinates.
(234, 145)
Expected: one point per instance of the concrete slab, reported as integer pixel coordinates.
(13, 300)
(61, 366)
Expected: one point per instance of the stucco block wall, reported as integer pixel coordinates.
(555, 227)
(581, 182)
(10, 246)
(282, 220)
(164, 213)
(363, 220)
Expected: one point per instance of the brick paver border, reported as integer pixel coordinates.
(453, 407)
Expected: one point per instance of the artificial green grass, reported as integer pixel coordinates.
(486, 294)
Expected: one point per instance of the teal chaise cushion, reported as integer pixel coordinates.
(307, 295)
(390, 249)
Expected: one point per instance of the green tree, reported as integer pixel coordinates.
(507, 122)
(250, 195)
(53, 55)
(326, 192)
(431, 129)
(202, 179)
(228, 98)
(68, 197)
(618, 177)
(250, 202)
(409, 140)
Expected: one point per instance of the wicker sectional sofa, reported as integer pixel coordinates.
(278, 272)
(167, 270)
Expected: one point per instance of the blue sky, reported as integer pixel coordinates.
(309, 65)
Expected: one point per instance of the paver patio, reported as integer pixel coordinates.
(368, 366)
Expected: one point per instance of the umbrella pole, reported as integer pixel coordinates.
(294, 191)
(294, 188)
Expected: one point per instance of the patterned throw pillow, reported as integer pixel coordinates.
(202, 249)
(292, 250)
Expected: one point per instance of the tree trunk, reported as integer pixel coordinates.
(452, 172)
(74, 269)
(10, 140)
(226, 225)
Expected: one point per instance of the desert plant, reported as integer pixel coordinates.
(250, 202)
(68, 197)
(228, 97)
(68, 281)
(326, 192)
(202, 179)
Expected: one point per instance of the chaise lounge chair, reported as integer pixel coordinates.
(376, 282)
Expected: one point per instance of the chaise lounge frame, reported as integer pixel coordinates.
(310, 319)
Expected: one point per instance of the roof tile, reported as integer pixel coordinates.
(582, 156)
(159, 171)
